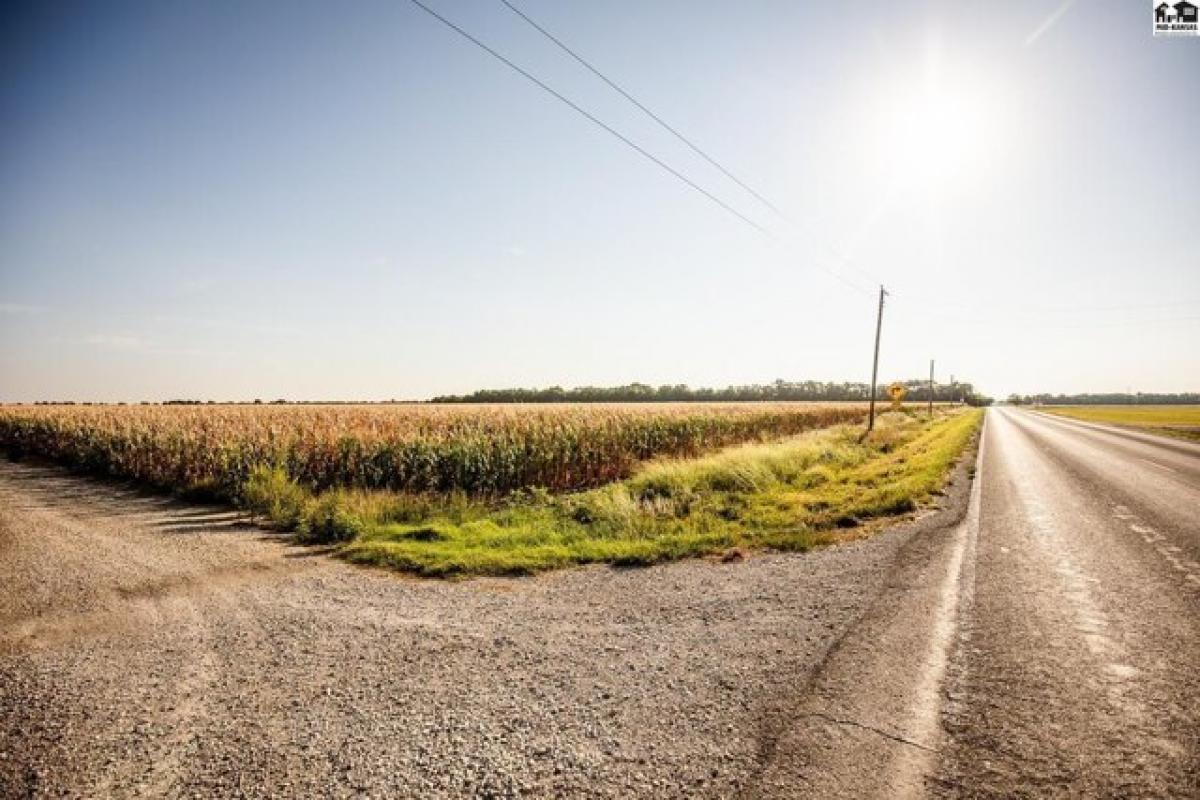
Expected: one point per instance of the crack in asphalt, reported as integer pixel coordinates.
(853, 723)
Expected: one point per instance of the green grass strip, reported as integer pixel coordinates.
(792, 495)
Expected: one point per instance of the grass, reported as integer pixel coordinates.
(794, 494)
(1181, 422)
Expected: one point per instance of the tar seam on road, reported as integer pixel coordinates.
(856, 724)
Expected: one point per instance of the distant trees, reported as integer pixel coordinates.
(1108, 399)
(918, 390)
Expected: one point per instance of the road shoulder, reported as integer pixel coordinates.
(866, 723)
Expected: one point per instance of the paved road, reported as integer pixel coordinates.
(1076, 670)
(1039, 637)
(1046, 646)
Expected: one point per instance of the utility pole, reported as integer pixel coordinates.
(931, 388)
(875, 363)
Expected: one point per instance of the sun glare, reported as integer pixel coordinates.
(940, 128)
(941, 135)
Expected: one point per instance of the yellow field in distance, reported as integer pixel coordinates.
(1182, 422)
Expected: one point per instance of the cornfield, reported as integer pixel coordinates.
(483, 450)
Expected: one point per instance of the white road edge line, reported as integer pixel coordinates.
(923, 722)
(1156, 464)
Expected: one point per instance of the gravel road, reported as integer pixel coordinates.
(150, 648)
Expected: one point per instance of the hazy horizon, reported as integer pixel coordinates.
(466, 396)
(293, 201)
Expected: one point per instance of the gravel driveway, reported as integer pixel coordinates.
(154, 648)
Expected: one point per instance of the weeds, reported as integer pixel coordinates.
(791, 495)
(271, 494)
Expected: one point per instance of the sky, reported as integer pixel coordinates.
(308, 200)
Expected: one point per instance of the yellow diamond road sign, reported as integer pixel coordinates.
(896, 391)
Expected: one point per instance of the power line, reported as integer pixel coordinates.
(838, 256)
(842, 259)
(591, 118)
(839, 276)
(662, 123)
(625, 140)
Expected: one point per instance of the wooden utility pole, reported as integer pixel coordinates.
(875, 363)
(931, 388)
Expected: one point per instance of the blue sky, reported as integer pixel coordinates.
(310, 200)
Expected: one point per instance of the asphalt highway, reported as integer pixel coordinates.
(1076, 667)
(1047, 645)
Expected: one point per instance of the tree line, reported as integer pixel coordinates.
(917, 390)
(1106, 399)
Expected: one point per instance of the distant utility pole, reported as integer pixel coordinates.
(875, 363)
(931, 388)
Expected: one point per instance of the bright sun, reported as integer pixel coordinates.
(940, 135)
(938, 130)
